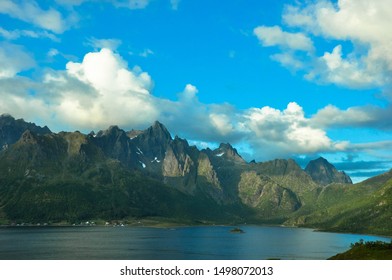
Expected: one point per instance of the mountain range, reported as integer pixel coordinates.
(113, 174)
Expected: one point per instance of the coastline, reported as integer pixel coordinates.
(169, 223)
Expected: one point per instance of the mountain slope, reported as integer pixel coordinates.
(72, 176)
(66, 177)
(364, 208)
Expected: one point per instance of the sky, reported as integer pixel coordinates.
(276, 79)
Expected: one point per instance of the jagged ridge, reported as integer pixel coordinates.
(115, 173)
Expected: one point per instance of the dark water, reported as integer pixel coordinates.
(212, 242)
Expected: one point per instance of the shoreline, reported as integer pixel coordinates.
(151, 223)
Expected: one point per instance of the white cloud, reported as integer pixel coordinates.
(130, 4)
(16, 34)
(284, 132)
(31, 12)
(288, 60)
(350, 72)
(9, 35)
(98, 44)
(363, 117)
(189, 93)
(274, 36)
(53, 53)
(14, 59)
(145, 53)
(107, 71)
(102, 90)
(98, 92)
(51, 19)
(364, 23)
(221, 123)
(361, 20)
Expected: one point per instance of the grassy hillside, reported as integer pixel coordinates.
(360, 208)
(371, 250)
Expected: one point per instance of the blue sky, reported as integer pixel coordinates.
(277, 79)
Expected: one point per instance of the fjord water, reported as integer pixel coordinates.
(203, 242)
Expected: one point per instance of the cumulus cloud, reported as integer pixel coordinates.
(349, 72)
(103, 90)
(222, 123)
(107, 71)
(364, 23)
(284, 132)
(360, 20)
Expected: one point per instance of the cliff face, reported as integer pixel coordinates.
(11, 130)
(324, 173)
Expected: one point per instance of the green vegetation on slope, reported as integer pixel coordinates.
(370, 250)
(361, 208)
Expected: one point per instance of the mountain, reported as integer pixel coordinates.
(365, 207)
(324, 173)
(11, 130)
(115, 174)
(227, 152)
(73, 177)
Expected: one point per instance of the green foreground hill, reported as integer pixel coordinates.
(361, 208)
(371, 250)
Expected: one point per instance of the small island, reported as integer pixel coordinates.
(237, 230)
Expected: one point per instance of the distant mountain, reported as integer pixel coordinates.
(11, 130)
(227, 152)
(324, 173)
(114, 174)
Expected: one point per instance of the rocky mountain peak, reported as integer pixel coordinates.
(324, 173)
(227, 151)
(159, 131)
(11, 129)
(113, 130)
(6, 118)
(154, 141)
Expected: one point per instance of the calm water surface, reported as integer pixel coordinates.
(205, 242)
